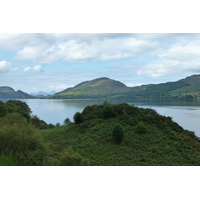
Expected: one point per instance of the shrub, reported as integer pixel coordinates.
(140, 128)
(71, 158)
(108, 111)
(78, 118)
(117, 134)
(49, 126)
(21, 139)
(38, 122)
(7, 160)
(16, 106)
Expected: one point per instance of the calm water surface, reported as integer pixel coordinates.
(185, 113)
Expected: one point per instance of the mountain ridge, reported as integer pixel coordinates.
(7, 92)
(187, 88)
(103, 87)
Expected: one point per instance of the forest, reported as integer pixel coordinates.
(102, 135)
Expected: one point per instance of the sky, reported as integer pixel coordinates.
(34, 62)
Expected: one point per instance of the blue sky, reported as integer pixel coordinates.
(44, 61)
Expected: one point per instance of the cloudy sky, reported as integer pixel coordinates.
(43, 61)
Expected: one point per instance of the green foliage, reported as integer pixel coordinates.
(108, 111)
(67, 121)
(58, 124)
(7, 160)
(20, 138)
(140, 128)
(78, 118)
(148, 138)
(38, 123)
(71, 158)
(15, 106)
(117, 134)
(3, 110)
(50, 125)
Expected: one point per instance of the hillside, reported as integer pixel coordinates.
(147, 138)
(188, 88)
(102, 135)
(9, 93)
(97, 88)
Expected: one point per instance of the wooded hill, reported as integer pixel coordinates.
(9, 93)
(120, 135)
(102, 135)
(188, 88)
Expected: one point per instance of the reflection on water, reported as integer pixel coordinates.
(185, 113)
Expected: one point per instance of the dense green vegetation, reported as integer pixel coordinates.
(102, 135)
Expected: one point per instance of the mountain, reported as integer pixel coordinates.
(101, 88)
(42, 94)
(97, 88)
(9, 93)
(188, 88)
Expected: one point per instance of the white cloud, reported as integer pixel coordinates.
(83, 48)
(180, 57)
(4, 67)
(159, 68)
(180, 51)
(36, 69)
(14, 41)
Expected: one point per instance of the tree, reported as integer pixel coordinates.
(67, 121)
(58, 124)
(117, 134)
(16, 106)
(78, 118)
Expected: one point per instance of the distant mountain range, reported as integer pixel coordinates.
(42, 94)
(102, 88)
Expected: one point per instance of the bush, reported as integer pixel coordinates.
(21, 140)
(16, 106)
(78, 118)
(7, 160)
(140, 128)
(38, 122)
(117, 134)
(108, 111)
(71, 158)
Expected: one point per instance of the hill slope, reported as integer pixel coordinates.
(148, 138)
(188, 88)
(9, 93)
(97, 88)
